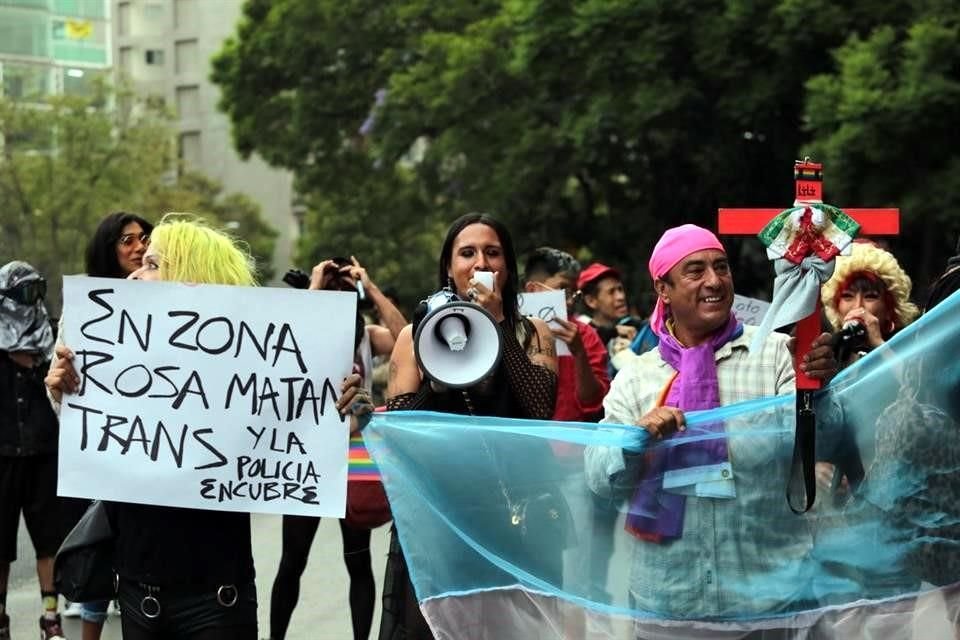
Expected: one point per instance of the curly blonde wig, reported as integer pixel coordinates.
(870, 259)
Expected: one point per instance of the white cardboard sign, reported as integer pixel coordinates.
(749, 310)
(206, 396)
(547, 305)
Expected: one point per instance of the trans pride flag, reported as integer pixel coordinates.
(507, 539)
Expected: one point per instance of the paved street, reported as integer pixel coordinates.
(323, 612)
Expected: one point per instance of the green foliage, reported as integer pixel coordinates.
(398, 255)
(881, 120)
(234, 213)
(591, 125)
(67, 162)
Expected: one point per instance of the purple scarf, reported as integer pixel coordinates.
(655, 514)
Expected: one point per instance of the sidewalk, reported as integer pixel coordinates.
(322, 613)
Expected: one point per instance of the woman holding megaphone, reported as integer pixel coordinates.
(522, 383)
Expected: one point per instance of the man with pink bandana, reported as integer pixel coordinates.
(692, 505)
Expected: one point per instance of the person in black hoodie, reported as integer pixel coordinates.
(28, 438)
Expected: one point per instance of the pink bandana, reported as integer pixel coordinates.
(675, 245)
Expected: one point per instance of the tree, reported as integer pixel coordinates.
(590, 125)
(357, 204)
(65, 164)
(881, 120)
(68, 161)
(235, 212)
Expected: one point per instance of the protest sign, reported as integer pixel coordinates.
(548, 306)
(749, 310)
(207, 396)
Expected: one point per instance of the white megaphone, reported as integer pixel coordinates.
(457, 343)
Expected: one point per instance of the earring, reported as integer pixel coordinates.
(450, 283)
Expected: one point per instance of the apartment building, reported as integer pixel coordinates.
(164, 47)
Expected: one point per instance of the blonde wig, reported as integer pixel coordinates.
(871, 260)
(191, 251)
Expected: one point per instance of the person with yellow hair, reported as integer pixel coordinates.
(188, 573)
(183, 250)
(871, 288)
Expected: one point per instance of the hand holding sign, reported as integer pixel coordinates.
(568, 333)
(62, 377)
(549, 306)
(355, 402)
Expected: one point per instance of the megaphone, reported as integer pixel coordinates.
(458, 343)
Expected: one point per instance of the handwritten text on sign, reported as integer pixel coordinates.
(749, 310)
(206, 396)
(548, 306)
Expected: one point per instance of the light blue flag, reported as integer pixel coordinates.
(511, 531)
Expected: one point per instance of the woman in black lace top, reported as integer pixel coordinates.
(523, 385)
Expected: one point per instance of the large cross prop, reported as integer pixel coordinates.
(808, 178)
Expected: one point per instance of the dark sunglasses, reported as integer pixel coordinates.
(127, 239)
(26, 293)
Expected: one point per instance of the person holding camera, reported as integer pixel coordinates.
(868, 288)
(866, 301)
(338, 274)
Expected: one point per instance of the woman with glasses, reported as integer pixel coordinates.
(117, 246)
(188, 573)
(114, 251)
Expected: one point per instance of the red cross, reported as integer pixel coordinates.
(809, 188)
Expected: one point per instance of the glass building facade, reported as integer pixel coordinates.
(50, 47)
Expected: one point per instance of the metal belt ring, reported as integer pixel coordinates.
(150, 606)
(227, 595)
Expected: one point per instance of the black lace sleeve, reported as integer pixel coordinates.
(420, 400)
(534, 387)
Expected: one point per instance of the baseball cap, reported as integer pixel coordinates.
(596, 271)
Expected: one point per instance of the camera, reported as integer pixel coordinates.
(297, 279)
(852, 337)
(332, 278)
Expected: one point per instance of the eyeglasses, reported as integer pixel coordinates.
(27, 293)
(127, 239)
